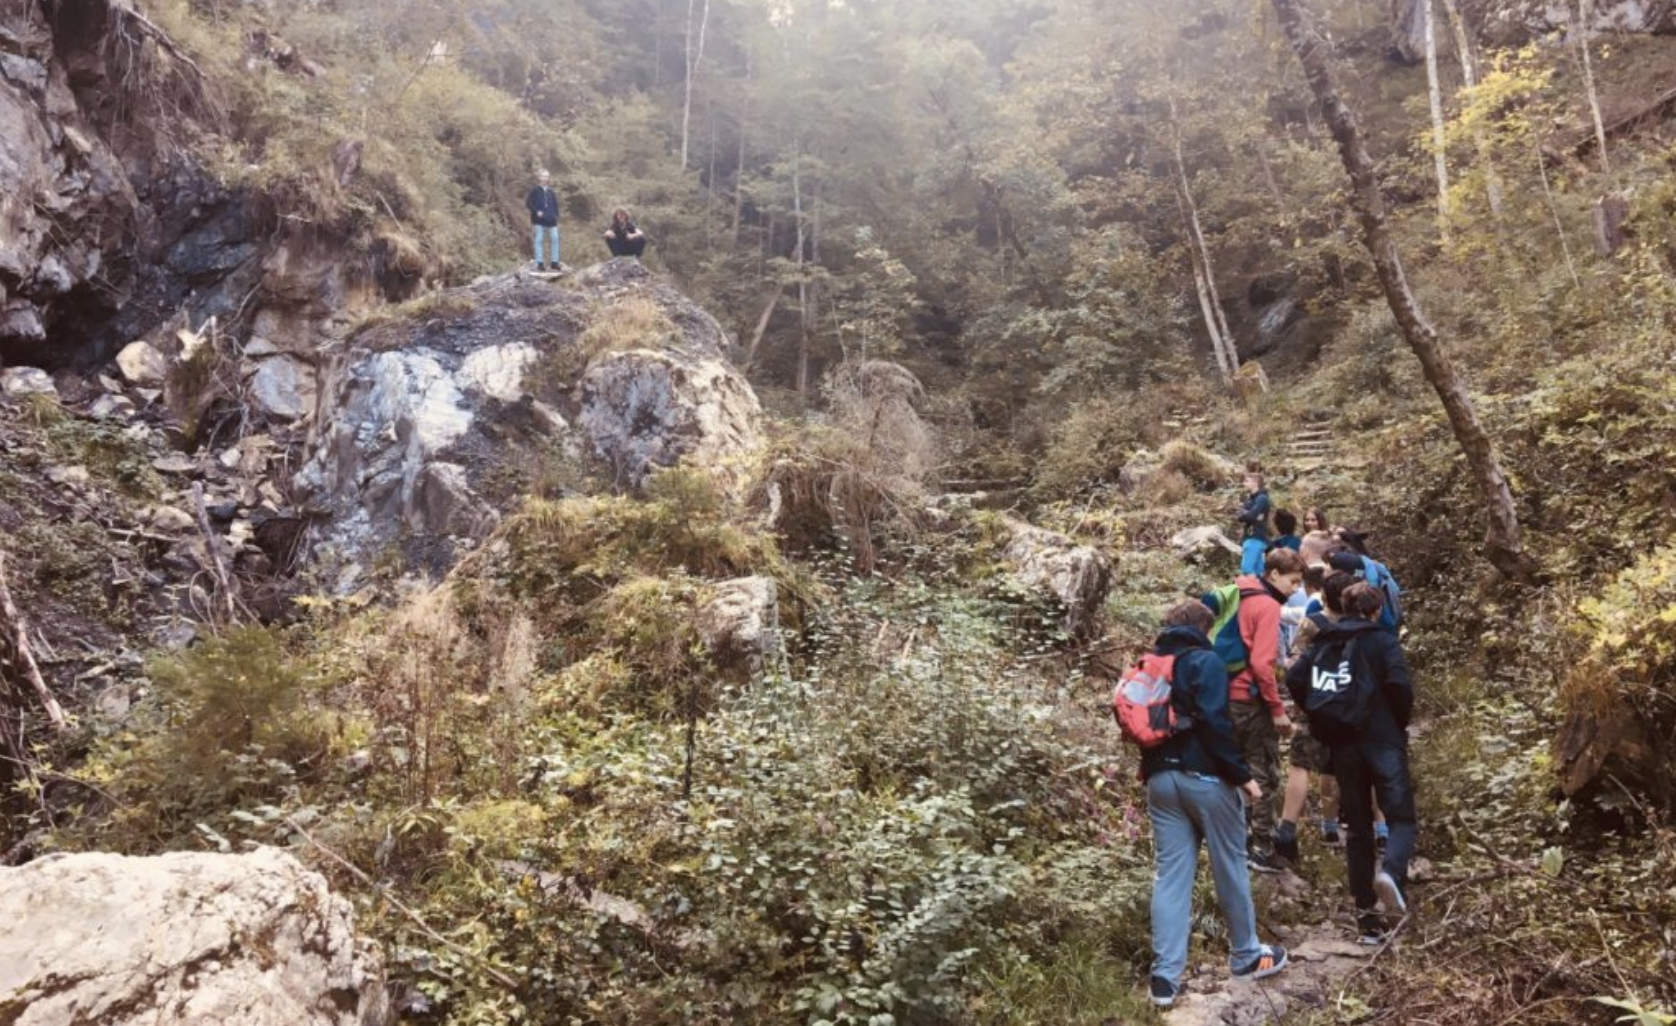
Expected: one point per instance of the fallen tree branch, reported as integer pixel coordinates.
(399, 906)
(18, 628)
(218, 566)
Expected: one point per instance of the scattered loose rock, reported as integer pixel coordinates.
(1078, 576)
(142, 365)
(19, 381)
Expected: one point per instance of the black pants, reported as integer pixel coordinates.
(626, 247)
(1366, 771)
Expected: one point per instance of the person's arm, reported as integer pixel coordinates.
(1298, 678)
(1263, 644)
(1207, 682)
(532, 201)
(1399, 683)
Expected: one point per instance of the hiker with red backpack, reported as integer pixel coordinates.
(1246, 633)
(1173, 703)
(1354, 687)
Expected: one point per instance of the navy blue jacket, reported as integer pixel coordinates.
(1378, 657)
(1254, 515)
(1199, 691)
(543, 205)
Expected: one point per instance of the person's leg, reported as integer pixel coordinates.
(1388, 766)
(1254, 733)
(636, 247)
(536, 231)
(555, 230)
(1355, 806)
(1329, 806)
(1221, 815)
(1175, 847)
(1252, 553)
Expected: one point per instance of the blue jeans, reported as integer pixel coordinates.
(1367, 771)
(1252, 553)
(1186, 810)
(541, 231)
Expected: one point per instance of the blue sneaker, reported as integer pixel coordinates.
(1271, 959)
(1329, 833)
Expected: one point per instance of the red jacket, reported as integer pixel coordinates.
(1259, 618)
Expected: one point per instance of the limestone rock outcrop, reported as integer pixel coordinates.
(447, 411)
(63, 194)
(1077, 577)
(190, 939)
(740, 622)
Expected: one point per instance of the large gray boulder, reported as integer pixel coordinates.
(188, 939)
(1046, 563)
(445, 414)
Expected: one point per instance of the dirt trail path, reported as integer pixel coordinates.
(1321, 955)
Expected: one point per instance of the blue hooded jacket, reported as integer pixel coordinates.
(1198, 691)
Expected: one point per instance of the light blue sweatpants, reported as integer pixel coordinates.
(1188, 809)
(1252, 553)
(541, 231)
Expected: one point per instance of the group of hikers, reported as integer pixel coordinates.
(622, 237)
(1310, 623)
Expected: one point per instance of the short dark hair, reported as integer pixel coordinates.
(1285, 521)
(1191, 613)
(1333, 589)
(1315, 576)
(1283, 561)
(1362, 600)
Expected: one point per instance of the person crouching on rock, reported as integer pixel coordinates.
(623, 237)
(1194, 784)
(543, 205)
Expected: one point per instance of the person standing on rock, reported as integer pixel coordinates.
(1254, 524)
(623, 238)
(543, 205)
(1194, 782)
(1355, 687)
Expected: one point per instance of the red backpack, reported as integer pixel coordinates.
(1141, 702)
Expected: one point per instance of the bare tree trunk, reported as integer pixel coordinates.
(1434, 87)
(694, 58)
(802, 278)
(1221, 339)
(739, 162)
(1554, 210)
(1584, 9)
(762, 323)
(710, 183)
(1502, 543)
(1469, 76)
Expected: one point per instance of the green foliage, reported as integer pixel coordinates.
(233, 720)
(564, 549)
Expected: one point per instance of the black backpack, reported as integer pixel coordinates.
(1339, 700)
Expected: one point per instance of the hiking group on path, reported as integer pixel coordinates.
(1311, 622)
(622, 237)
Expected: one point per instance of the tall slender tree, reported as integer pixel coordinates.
(1503, 544)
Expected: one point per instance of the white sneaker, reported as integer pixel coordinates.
(1390, 896)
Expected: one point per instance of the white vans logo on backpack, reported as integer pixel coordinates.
(1330, 682)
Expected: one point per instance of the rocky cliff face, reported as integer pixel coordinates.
(111, 229)
(187, 939)
(442, 416)
(1511, 22)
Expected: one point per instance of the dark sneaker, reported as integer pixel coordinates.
(1271, 961)
(1390, 895)
(1286, 841)
(1263, 862)
(1370, 930)
(1164, 993)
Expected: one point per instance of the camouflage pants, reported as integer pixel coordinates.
(1255, 734)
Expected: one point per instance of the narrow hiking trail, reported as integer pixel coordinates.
(1323, 954)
